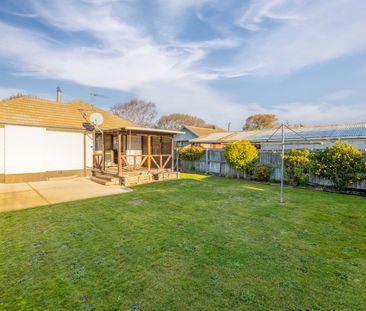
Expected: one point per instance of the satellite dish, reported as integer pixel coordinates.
(96, 118)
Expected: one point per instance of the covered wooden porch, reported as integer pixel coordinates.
(133, 155)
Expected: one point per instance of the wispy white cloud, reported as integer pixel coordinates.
(338, 95)
(310, 32)
(170, 15)
(260, 10)
(123, 55)
(319, 113)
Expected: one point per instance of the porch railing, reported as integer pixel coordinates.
(136, 162)
(98, 160)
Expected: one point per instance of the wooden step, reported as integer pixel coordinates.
(104, 182)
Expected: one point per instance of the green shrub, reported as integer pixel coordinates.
(263, 172)
(298, 163)
(342, 164)
(191, 153)
(241, 155)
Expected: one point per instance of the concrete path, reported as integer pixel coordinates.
(25, 195)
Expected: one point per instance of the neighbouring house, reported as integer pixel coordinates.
(43, 139)
(192, 132)
(316, 137)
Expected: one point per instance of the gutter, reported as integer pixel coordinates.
(145, 129)
(279, 141)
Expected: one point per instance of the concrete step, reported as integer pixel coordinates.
(62, 178)
(107, 177)
(107, 174)
(104, 182)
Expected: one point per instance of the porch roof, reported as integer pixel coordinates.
(144, 130)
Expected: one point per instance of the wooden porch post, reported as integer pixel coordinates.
(148, 152)
(103, 156)
(119, 153)
(172, 151)
(84, 154)
(94, 142)
(161, 154)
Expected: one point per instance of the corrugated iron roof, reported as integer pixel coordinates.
(303, 133)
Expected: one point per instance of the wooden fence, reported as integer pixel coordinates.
(213, 162)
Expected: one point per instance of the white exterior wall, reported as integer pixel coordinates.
(2, 150)
(63, 151)
(35, 150)
(89, 150)
(24, 149)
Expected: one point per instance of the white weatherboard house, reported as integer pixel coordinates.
(42, 139)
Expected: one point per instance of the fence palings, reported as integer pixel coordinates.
(213, 162)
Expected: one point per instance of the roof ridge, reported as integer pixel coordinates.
(231, 134)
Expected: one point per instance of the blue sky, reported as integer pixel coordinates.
(303, 60)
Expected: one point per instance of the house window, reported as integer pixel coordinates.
(98, 142)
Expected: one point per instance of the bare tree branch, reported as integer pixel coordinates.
(137, 111)
(177, 120)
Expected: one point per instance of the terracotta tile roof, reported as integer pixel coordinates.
(27, 110)
(203, 131)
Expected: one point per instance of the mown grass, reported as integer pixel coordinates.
(199, 243)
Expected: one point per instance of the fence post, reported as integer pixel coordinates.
(220, 162)
(177, 152)
(206, 162)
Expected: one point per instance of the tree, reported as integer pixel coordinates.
(137, 111)
(177, 120)
(260, 121)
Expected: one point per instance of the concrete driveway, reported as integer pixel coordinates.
(25, 195)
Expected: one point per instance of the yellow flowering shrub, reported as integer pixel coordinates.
(241, 155)
(297, 164)
(191, 153)
(343, 164)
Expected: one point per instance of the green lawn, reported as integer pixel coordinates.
(198, 243)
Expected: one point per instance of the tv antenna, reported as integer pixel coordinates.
(98, 95)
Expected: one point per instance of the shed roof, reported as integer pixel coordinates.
(27, 110)
(357, 130)
(201, 131)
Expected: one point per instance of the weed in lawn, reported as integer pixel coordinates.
(295, 285)
(86, 303)
(214, 280)
(188, 247)
(136, 306)
(37, 258)
(282, 285)
(247, 297)
(314, 308)
(342, 275)
(78, 270)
